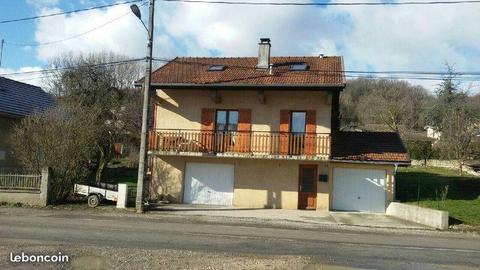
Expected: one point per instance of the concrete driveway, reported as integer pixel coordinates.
(304, 216)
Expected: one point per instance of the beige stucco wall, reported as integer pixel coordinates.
(257, 183)
(260, 183)
(181, 109)
(389, 169)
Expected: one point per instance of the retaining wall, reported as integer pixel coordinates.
(449, 164)
(430, 217)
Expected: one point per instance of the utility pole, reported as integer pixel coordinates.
(142, 164)
(1, 52)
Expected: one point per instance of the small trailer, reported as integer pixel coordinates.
(96, 193)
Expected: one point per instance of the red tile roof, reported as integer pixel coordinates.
(369, 146)
(242, 71)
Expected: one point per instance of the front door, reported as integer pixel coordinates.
(307, 187)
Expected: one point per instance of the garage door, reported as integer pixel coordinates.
(359, 190)
(207, 183)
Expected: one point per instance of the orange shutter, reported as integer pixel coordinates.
(284, 132)
(310, 130)
(244, 129)
(208, 124)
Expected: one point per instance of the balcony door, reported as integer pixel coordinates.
(298, 122)
(226, 126)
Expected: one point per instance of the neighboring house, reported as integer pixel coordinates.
(263, 132)
(433, 132)
(17, 100)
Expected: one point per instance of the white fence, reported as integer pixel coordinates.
(20, 186)
(20, 181)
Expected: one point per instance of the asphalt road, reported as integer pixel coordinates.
(357, 249)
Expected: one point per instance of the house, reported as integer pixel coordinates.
(17, 100)
(433, 133)
(264, 132)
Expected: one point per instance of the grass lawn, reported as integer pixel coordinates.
(463, 197)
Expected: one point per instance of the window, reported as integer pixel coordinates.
(298, 122)
(299, 67)
(226, 120)
(216, 68)
(3, 155)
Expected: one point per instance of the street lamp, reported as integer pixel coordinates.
(136, 12)
(142, 169)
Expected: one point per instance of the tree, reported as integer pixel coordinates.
(391, 103)
(349, 99)
(57, 138)
(104, 89)
(457, 117)
(458, 132)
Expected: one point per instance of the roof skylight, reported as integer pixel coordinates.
(216, 68)
(299, 67)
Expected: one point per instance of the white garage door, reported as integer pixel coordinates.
(359, 190)
(208, 183)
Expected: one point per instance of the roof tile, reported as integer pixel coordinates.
(19, 99)
(369, 146)
(243, 71)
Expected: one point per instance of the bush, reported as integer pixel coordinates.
(61, 138)
(421, 149)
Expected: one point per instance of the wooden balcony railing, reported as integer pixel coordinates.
(240, 142)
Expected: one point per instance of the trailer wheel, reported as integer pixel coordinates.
(93, 200)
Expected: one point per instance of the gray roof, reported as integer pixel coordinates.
(19, 99)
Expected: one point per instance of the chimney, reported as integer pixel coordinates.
(264, 53)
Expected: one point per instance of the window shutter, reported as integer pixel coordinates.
(284, 132)
(284, 121)
(244, 130)
(311, 125)
(207, 120)
(310, 136)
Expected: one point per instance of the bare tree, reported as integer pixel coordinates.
(104, 89)
(458, 118)
(459, 129)
(394, 104)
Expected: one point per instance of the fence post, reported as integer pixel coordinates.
(45, 187)
(122, 195)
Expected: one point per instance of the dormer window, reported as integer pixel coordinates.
(216, 68)
(299, 67)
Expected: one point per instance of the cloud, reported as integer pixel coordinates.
(415, 38)
(125, 35)
(370, 38)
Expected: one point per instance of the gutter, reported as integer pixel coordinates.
(395, 163)
(310, 87)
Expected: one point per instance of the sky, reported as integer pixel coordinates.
(373, 38)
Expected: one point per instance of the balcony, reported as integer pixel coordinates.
(251, 144)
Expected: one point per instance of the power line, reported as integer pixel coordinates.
(50, 70)
(68, 38)
(406, 75)
(68, 12)
(406, 3)
(400, 72)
